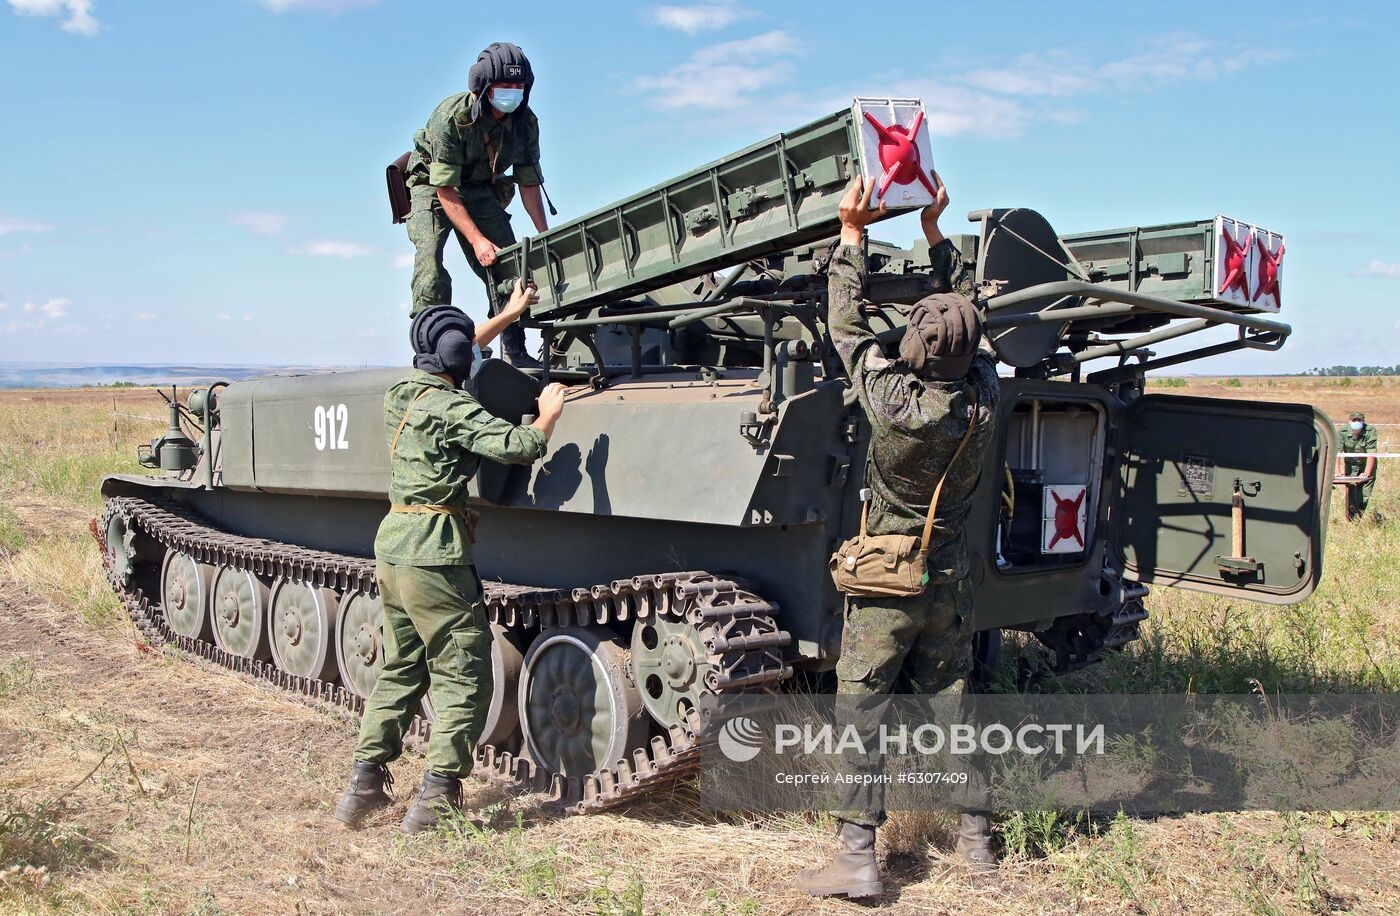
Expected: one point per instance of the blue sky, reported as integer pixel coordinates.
(203, 181)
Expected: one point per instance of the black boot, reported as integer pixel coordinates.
(365, 794)
(975, 842)
(852, 873)
(437, 793)
(513, 348)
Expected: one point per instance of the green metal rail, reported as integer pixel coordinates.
(770, 197)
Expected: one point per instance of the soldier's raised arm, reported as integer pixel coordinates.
(947, 260)
(850, 332)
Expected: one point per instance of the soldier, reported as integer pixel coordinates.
(1358, 437)
(457, 181)
(436, 639)
(919, 404)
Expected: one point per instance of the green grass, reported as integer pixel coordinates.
(57, 453)
(11, 535)
(1345, 638)
(67, 572)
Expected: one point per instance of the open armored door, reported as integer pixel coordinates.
(1220, 496)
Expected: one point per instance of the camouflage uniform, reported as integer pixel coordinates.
(436, 639)
(455, 152)
(1358, 494)
(916, 644)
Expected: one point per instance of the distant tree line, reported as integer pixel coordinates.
(1354, 371)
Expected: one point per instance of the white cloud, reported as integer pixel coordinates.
(1057, 73)
(80, 19)
(329, 248)
(145, 316)
(247, 317)
(956, 111)
(367, 332)
(725, 75)
(261, 222)
(1172, 58)
(39, 316)
(1378, 268)
(996, 102)
(324, 6)
(697, 17)
(403, 261)
(1002, 102)
(10, 224)
(225, 317)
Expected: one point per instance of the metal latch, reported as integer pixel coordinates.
(752, 428)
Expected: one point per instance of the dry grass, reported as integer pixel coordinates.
(102, 744)
(1337, 397)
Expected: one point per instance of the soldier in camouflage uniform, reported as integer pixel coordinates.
(1358, 437)
(436, 639)
(919, 406)
(457, 179)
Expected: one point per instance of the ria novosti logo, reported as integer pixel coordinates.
(740, 739)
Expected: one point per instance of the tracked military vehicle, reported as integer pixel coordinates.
(675, 541)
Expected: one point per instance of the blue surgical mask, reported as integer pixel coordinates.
(507, 100)
(1357, 426)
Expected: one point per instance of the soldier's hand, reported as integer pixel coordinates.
(485, 251)
(855, 212)
(930, 214)
(522, 297)
(552, 401)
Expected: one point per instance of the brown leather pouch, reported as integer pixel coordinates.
(397, 176)
(504, 190)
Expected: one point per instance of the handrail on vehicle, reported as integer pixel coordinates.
(1144, 301)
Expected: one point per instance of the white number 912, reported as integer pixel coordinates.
(329, 422)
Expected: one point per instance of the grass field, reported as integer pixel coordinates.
(135, 782)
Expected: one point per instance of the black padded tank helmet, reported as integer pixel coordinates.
(502, 62)
(443, 338)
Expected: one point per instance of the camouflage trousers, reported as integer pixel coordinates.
(1359, 497)
(900, 645)
(436, 642)
(428, 230)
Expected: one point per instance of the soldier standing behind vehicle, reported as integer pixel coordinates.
(436, 639)
(1358, 437)
(457, 181)
(919, 406)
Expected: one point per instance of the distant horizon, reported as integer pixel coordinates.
(25, 374)
(47, 364)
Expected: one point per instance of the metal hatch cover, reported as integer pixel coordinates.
(1225, 497)
(1019, 249)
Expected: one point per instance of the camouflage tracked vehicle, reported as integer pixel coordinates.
(675, 542)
